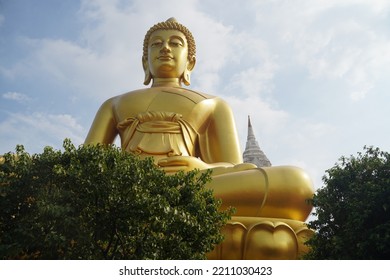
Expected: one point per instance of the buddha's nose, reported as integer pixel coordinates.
(165, 47)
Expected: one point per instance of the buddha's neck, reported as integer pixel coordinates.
(166, 82)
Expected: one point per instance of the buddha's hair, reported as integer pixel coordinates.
(171, 24)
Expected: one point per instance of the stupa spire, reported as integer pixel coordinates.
(253, 153)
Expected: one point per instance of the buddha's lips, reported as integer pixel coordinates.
(165, 57)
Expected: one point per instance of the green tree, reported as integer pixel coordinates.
(353, 209)
(95, 202)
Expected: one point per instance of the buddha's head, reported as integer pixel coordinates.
(168, 52)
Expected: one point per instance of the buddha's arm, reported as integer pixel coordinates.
(219, 142)
(103, 129)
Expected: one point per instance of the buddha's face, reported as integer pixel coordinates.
(167, 54)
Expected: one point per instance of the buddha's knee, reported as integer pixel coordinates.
(288, 194)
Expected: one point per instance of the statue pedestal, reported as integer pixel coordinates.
(254, 238)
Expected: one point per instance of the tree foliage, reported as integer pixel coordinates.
(353, 209)
(95, 202)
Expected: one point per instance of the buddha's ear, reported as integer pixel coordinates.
(191, 63)
(148, 75)
(187, 72)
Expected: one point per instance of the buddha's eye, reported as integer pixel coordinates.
(175, 42)
(156, 43)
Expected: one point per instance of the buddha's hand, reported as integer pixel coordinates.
(219, 170)
(184, 163)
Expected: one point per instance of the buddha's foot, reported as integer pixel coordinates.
(253, 238)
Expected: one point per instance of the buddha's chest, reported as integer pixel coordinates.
(189, 108)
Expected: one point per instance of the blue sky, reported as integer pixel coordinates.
(313, 75)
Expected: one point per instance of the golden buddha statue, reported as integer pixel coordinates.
(184, 129)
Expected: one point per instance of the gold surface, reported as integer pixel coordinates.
(184, 129)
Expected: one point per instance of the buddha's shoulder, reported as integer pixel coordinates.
(135, 94)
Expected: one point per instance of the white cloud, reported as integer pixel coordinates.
(215, 49)
(16, 96)
(336, 41)
(82, 70)
(254, 66)
(37, 130)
